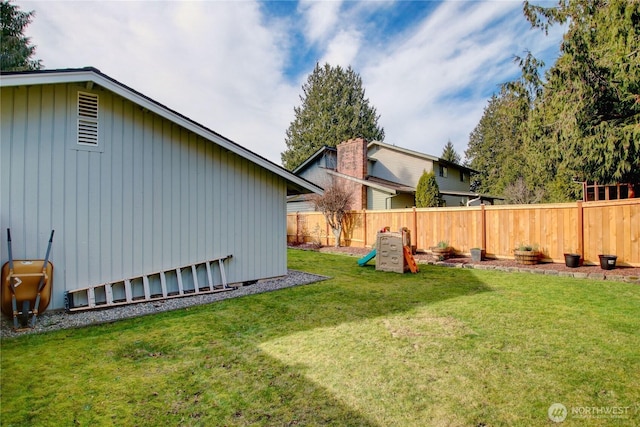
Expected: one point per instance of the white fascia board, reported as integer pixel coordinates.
(29, 79)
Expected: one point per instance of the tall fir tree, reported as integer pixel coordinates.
(581, 122)
(450, 154)
(334, 109)
(588, 117)
(495, 146)
(16, 50)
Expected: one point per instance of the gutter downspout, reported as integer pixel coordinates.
(386, 199)
(473, 200)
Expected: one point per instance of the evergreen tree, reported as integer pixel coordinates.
(428, 192)
(334, 109)
(496, 148)
(588, 117)
(16, 51)
(581, 122)
(449, 153)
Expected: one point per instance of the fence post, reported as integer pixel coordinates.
(483, 227)
(297, 227)
(364, 226)
(580, 229)
(415, 228)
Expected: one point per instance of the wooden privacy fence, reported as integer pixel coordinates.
(587, 228)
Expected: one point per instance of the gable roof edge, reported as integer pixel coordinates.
(78, 75)
(312, 157)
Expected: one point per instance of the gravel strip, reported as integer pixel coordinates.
(54, 320)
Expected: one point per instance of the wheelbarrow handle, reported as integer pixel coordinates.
(9, 247)
(45, 262)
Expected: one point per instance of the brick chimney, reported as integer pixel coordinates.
(352, 158)
(352, 161)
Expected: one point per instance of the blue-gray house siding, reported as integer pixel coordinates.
(158, 190)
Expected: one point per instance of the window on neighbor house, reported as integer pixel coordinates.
(443, 171)
(87, 119)
(461, 176)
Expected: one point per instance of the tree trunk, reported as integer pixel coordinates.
(336, 233)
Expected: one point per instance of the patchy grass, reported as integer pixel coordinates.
(366, 348)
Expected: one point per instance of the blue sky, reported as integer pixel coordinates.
(237, 67)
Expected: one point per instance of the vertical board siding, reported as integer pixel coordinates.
(608, 227)
(155, 196)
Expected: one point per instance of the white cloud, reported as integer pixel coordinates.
(214, 62)
(342, 49)
(433, 83)
(223, 64)
(320, 18)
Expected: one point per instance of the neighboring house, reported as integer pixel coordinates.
(384, 176)
(129, 186)
(315, 169)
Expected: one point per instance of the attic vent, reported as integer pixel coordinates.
(87, 118)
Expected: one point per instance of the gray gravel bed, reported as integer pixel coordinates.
(54, 320)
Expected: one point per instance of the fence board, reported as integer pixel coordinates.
(591, 227)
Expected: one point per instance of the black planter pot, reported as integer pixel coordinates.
(608, 262)
(572, 260)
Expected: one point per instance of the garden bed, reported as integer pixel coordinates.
(591, 271)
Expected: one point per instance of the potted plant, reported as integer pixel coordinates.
(572, 260)
(477, 254)
(527, 254)
(608, 262)
(442, 250)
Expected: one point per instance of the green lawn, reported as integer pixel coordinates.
(443, 347)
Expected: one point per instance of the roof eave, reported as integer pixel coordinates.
(403, 150)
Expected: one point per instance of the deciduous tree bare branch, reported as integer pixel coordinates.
(335, 205)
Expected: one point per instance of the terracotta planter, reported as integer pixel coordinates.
(607, 262)
(572, 260)
(527, 257)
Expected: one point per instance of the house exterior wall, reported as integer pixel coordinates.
(398, 167)
(453, 201)
(376, 199)
(306, 206)
(151, 196)
(316, 172)
(381, 200)
(452, 181)
(403, 201)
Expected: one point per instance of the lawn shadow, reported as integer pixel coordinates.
(208, 364)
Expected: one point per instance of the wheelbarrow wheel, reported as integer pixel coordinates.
(24, 316)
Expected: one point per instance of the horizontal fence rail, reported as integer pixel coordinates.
(586, 228)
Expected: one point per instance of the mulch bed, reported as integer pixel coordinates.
(619, 273)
